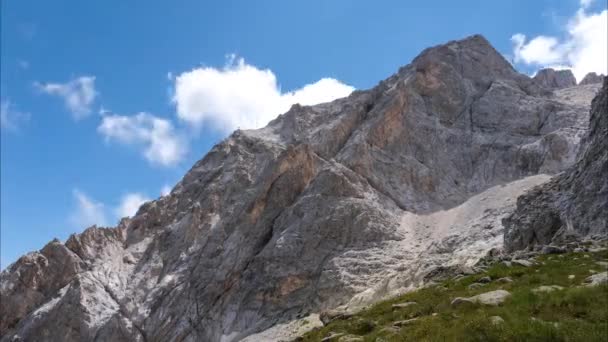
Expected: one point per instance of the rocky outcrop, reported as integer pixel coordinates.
(592, 78)
(555, 79)
(335, 205)
(573, 204)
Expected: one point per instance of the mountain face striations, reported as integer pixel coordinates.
(334, 205)
(574, 203)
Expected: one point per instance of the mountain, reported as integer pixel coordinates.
(592, 78)
(555, 79)
(573, 204)
(336, 205)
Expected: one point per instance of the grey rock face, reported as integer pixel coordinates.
(592, 78)
(335, 205)
(574, 203)
(555, 79)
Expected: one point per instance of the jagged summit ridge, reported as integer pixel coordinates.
(340, 203)
(555, 79)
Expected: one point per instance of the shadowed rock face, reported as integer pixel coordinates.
(555, 79)
(340, 203)
(574, 202)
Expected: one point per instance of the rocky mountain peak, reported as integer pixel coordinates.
(334, 205)
(555, 79)
(592, 78)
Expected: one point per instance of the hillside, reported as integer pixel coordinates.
(553, 299)
(330, 207)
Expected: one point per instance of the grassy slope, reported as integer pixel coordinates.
(581, 313)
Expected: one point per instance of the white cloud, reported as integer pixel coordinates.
(158, 138)
(87, 212)
(78, 94)
(165, 190)
(129, 204)
(584, 47)
(540, 50)
(10, 118)
(241, 95)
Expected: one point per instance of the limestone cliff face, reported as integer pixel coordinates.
(574, 202)
(340, 203)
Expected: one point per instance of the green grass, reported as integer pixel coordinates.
(573, 314)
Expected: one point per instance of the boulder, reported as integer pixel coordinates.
(597, 279)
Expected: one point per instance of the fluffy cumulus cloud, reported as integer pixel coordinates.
(11, 118)
(158, 139)
(240, 95)
(88, 212)
(129, 204)
(584, 48)
(78, 94)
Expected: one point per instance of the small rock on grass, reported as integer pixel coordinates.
(461, 300)
(405, 322)
(496, 320)
(331, 336)
(571, 276)
(403, 305)
(350, 338)
(525, 263)
(550, 249)
(331, 315)
(485, 280)
(476, 286)
(492, 298)
(547, 288)
(504, 280)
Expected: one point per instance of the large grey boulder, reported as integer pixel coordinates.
(335, 205)
(573, 204)
(555, 79)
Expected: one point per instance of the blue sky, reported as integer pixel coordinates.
(105, 103)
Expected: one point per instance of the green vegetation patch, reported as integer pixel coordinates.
(572, 313)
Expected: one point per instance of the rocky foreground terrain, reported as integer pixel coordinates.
(334, 206)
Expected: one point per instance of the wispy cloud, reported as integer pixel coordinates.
(87, 211)
(11, 118)
(129, 204)
(584, 48)
(78, 94)
(165, 190)
(241, 95)
(157, 137)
